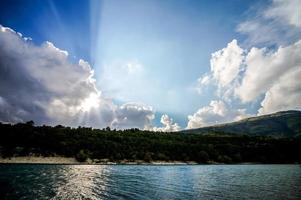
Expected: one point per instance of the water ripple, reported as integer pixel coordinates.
(150, 182)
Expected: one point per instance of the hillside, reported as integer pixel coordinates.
(280, 124)
(26, 142)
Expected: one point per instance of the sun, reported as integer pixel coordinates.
(92, 101)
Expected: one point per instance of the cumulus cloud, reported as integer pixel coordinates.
(281, 20)
(40, 83)
(262, 72)
(225, 66)
(268, 75)
(169, 125)
(225, 63)
(216, 112)
(265, 68)
(133, 115)
(285, 94)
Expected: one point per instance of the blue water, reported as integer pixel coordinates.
(23, 181)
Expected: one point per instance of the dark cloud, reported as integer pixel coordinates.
(40, 83)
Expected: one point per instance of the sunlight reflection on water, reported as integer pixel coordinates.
(82, 181)
(150, 182)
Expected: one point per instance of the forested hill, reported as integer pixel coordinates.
(280, 124)
(25, 139)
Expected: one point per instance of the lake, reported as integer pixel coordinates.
(27, 181)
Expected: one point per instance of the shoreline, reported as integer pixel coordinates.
(72, 161)
(59, 160)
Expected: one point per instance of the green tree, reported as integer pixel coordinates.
(82, 156)
(202, 157)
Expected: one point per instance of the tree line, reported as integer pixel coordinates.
(24, 139)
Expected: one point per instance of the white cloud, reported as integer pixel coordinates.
(202, 83)
(285, 94)
(288, 10)
(204, 80)
(278, 23)
(133, 115)
(40, 83)
(169, 125)
(265, 68)
(216, 112)
(271, 74)
(225, 63)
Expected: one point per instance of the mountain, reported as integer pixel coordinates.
(280, 124)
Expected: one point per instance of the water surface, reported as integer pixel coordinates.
(25, 181)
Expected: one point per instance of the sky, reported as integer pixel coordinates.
(148, 64)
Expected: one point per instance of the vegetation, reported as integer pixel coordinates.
(280, 124)
(25, 139)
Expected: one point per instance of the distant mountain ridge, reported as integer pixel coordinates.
(279, 124)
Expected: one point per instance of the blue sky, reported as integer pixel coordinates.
(167, 46)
